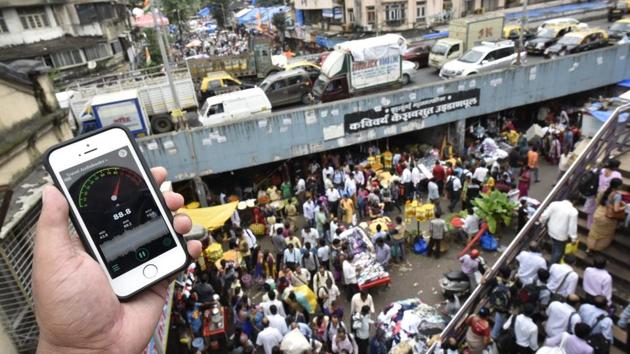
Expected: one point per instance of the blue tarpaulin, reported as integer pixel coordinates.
(204, 12)
(328, 43)
(299, 17)
(436, 35)
(557, 10)
(624, 83)
(266, 13)
(603, 116)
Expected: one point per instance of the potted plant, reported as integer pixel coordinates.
(494, 208)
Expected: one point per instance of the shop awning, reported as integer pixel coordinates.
(212, 217)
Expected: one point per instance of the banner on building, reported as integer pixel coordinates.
(410, 111)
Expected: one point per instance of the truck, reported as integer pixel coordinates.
(150, 91)
(463, 34)
(255, 62)
(361, 66)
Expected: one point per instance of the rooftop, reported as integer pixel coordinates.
(46, 47)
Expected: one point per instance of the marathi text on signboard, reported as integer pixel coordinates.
(410, 111)
(383, 70)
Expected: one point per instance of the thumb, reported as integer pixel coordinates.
(52, 239)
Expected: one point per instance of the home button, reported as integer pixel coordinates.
(150, 271)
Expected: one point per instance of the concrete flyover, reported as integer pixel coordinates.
(310, 129)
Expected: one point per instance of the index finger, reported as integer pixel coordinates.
(159, 174)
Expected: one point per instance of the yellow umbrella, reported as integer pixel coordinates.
(213, 217)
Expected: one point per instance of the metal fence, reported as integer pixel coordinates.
(613, 139)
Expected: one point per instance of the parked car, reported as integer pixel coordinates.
(217, 83)
(408, 70)
(617, 9)
(312, 69)
(546, 37)
(288, 87)
(482, 58)
(512, 32)
(559, 21)
(418, 53)
(576, 42)
(618, 30)
(241, 105)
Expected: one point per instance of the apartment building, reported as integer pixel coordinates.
(71, 36)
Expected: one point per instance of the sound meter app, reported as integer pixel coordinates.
(118, 210)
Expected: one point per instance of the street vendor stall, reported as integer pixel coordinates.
(211, 218)
(372, 273)
(411, 324)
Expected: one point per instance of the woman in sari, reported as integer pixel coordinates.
(602, 232)
(347, 206)
(524, 181)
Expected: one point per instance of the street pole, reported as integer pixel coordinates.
(520, 33)
(177, 112)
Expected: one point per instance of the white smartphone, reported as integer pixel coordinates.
(117, 209)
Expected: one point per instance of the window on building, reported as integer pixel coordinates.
(90, 13)
(116, 47)
(3, 24)
(395, 12)
(33, 17)
(371, 14)
(421, 8)
(99, 51)
(68, 58)
(351, 15)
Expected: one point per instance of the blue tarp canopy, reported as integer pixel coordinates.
(624, 83)
(204, 12)
(266, 13)
(328, 43)
(436, 35)
(603, 116)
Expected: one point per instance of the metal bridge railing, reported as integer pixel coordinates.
(613, 139)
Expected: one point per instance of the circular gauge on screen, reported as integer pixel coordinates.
(109, 188)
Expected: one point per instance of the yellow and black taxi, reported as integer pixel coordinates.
(548, 36)
(512, 32)
(619, 29)
(616, 9)
(217, 83)
(580, 41)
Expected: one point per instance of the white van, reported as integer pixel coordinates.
(235, 106)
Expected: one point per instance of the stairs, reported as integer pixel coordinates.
(618, 256)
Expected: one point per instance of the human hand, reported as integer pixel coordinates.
(76, 308)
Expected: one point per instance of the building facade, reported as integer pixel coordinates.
(399, 15)
(70, 36)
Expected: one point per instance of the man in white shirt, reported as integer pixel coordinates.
(327, 172)
(471, 225)
(561, 218)
(480, 174)
(359, 177)
(405, 179)
(454, 194)
(434, 194)
(269, 337)
(529, 261)
(350, 186)
(349, 277)
(300, 186)
(525, 330)
(597, 280)
(562, 278)
(416, 177)
(333, 196)
(359, 300)
(310, 235)
(561, 317)
(266, 305)
(308, 209)
(277, 321)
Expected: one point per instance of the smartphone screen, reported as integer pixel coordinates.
(118, 210)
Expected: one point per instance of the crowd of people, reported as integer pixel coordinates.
(305, 271)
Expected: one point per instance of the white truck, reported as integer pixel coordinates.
(463, 34)
(361, 66)
(149, 91)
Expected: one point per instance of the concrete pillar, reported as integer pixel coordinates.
(459, 136)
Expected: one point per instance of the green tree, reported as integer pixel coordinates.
(154, 47)
(279, 21)
(179, 10)
(220, 11)
(268, 3)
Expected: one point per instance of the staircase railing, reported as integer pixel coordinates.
(612, 139)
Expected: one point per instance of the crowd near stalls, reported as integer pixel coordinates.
(296, 266)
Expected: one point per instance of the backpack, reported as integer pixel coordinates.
(449, 184)
(597, 341)
(506, 342)
(529, 294)
(589, 182)
(500, 298)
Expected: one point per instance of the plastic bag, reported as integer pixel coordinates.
(488, 243)
(570, 248)
(420, 247)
